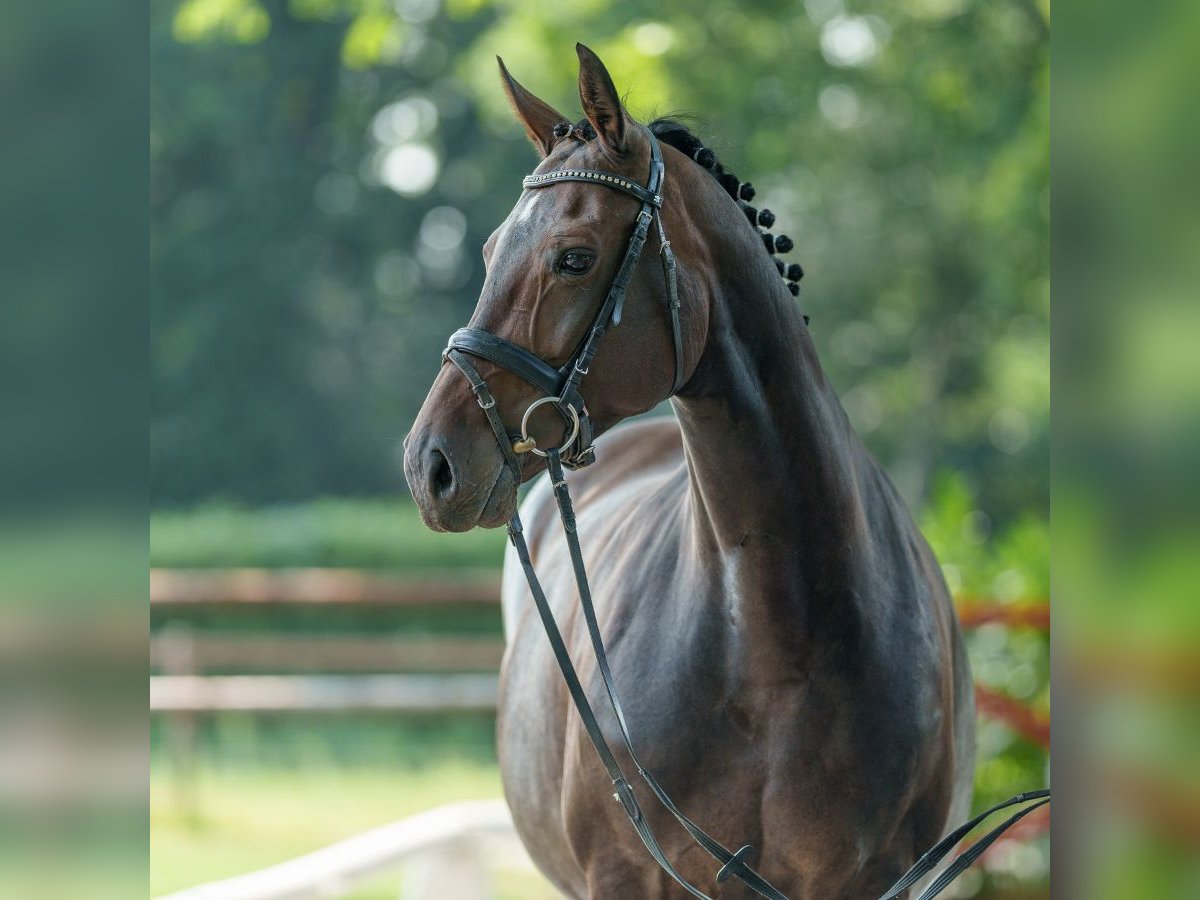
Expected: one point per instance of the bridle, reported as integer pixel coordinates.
(560, 387)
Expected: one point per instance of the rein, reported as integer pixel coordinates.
(560, 387)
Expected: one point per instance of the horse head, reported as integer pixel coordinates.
(550, 267)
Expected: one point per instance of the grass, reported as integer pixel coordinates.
(373, 534)
(243, 819)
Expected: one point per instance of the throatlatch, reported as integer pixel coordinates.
(560, 388)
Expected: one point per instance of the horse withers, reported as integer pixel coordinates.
(791, 667)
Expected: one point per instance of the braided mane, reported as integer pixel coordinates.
(676, 134)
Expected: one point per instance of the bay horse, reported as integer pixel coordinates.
(791, 666)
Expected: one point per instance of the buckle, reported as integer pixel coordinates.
(580, 460)
(624, 795)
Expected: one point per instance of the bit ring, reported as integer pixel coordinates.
(574, 424)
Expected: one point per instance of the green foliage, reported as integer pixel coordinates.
(372, 534)
(298, 309)
(977, 559)
(1012, 566)
(239, 21)
(240, 742)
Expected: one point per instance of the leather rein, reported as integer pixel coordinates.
(560, 388)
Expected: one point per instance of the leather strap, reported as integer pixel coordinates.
(648, 194)
(623, 793)
(508, 355)
(938, 851)
(731, 863)
(668, 262)
(550, 381)
(976, 850)
(488, 404)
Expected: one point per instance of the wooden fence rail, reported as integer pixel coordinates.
(180, 651)
(189, 587)
(457, 672)
(323, 693)
(193, 587)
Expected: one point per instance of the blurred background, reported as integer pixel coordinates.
(322, 176)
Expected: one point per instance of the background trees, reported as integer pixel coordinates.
(325, 171)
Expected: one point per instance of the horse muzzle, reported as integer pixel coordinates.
(454, 494)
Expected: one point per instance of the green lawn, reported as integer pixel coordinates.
(371, 534)
(243, 819)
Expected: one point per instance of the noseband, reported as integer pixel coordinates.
(561, 385)
(560, 388)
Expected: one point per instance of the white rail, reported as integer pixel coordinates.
(329, 693)
(447, 852)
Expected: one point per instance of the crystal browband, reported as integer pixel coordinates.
(609, 179)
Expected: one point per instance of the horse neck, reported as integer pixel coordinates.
(770, 451)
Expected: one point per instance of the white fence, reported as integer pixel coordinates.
(447, 852)
(417, 693)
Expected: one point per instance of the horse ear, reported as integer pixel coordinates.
(601, 104)
(538, 117)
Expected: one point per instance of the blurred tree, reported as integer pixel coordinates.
(297, 304)
(325, 170)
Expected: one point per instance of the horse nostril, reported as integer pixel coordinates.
(441, 475)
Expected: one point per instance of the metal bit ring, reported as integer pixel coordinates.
(574, 424)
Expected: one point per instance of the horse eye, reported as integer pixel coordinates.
(575, 262)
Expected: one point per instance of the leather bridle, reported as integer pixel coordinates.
(561, 388)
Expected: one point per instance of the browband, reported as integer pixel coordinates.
(595, 176)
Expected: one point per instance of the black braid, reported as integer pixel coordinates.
(676, 134)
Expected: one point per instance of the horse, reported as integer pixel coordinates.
(791, 664)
